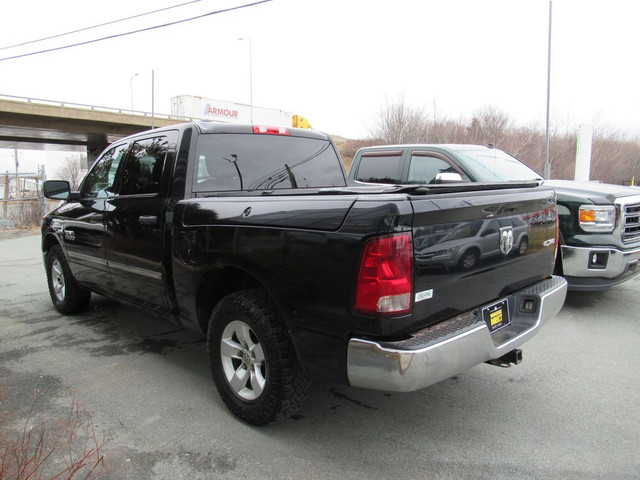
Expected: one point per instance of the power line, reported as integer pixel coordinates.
(135, 31)
(97, 26)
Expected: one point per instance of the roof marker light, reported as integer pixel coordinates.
(264, 130)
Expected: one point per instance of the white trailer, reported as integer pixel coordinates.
(190, 106)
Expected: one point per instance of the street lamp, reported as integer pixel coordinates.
(153, 99)
(547, 160)
(250, 76)
(131, 83)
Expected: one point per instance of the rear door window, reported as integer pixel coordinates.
(380, 167)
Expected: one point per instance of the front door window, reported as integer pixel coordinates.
(101, 179)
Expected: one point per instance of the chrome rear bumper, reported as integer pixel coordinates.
(452, 346)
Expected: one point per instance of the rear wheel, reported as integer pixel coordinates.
(252, 361)
(67, 296)
(522, 247)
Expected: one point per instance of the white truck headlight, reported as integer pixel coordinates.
(597, 218)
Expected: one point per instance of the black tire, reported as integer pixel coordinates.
(67, 296)
(468, 260)
(522, 246)
(257, 373)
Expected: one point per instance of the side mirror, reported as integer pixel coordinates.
(448, 177)
(57, 189)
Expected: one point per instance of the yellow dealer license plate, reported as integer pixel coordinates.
(496, 315)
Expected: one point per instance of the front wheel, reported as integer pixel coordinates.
(252, 361)
(468, 260)
(67, 296)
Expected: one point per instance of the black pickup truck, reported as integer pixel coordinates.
(251, 235)
(599, 243)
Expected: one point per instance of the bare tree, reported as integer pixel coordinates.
(615, 155)
(489, 125)
(615, 159)
(349, 148)
(400, 123)
(71, 171)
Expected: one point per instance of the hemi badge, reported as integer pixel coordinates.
(427, 294)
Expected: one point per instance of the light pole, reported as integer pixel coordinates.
(153, 99)
(250, 76)
(131, 89)
(547, 161)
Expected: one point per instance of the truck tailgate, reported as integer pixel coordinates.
(474, 248)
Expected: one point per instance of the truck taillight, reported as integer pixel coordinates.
(270, 130)
(385, 279)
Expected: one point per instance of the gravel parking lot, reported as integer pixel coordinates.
(569, 411)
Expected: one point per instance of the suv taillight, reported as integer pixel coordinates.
(385, 279)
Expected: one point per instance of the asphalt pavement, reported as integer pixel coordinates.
(569, 411)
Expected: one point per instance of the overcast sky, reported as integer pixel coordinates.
(336, 62)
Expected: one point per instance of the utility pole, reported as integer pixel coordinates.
(19, 193)
(5, 203)
(16, 159)
(43, 178)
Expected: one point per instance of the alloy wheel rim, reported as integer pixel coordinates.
(469, 260)
(57, 280)
(243, 360)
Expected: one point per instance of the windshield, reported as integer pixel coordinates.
(491, 165)
(228, 162)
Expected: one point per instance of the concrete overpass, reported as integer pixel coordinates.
(35, 124)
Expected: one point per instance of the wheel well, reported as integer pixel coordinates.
(217, 284)
(476, 250)
(48, 242)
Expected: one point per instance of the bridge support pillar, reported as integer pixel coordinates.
(95, 147)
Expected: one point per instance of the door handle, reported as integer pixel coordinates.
(148, 219)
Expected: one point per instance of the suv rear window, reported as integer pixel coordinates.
(232, 162)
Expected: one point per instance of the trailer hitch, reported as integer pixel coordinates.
(505, 361)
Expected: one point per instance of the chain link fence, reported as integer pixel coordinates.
(22, 204)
